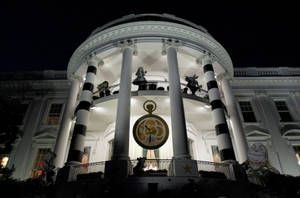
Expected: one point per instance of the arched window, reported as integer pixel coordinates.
(292, 134)
(297, 151)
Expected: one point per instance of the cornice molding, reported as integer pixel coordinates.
(39, 85)
(154, 30)
(265, 81)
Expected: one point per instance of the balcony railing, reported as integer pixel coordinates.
(216, 167)
(155, 167)
(149, 86)
(161, 166)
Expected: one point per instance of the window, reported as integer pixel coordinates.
(54, 114)
(297, 151)
(3, 160)
(283, 111)
(190, 145)
(38, 162)
(86, 157)
(247, 111)
(216, 154)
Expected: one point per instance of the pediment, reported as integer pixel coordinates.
(290, 130)
(45, 134)
(253, 130)
(257, 134)
(292, 133)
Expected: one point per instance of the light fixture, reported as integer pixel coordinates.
(200, 108)
(207, 106)
(98, 109)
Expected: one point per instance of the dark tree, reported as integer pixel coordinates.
(11, 117)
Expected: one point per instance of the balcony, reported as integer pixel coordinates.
(153, 168)
(150, 88)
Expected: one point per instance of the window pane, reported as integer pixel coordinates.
(54, 114)
(283, 111)
(55, 108)
(247, 111)
(86, 157)
(285, 116)
(3, 160)
(297, 151)
(38, 163)
(216, 154)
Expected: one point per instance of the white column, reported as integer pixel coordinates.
(235, 121)
(65, 125)
(121, 140)
(21, 159)
(179, 135)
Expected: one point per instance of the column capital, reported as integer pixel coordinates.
(204, 59)
(170, 43)
(128, 44)
(92, 59)
(75, 78)
(223, 77)
(294, 93)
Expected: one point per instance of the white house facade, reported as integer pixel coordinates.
(231, 109)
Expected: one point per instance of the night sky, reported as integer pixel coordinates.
(44, 36)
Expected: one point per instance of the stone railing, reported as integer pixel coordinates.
(160, 166)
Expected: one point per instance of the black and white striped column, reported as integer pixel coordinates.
(83, 108)
(222, 132)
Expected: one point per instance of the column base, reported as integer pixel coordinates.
(184, 167)
(69, 173)
(238, 172)
(117, 168)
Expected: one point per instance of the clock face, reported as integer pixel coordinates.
(150, 131)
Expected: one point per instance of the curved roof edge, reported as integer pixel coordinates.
(149, 17)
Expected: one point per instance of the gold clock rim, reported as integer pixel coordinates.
(140, 143)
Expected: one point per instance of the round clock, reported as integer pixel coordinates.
(150, 131)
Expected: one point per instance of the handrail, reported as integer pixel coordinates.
(165, 165)
(152, 82)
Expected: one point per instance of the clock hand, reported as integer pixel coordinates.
(147, 127)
